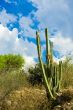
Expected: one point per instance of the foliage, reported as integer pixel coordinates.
(35, 75)
(10, 62)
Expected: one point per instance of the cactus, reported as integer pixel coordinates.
(52, 76)
(42, 65)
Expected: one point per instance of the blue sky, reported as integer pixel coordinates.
(19, 20)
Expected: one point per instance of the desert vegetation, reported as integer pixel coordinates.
(47, 86)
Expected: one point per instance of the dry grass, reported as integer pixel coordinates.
(33, 98)
(25, 99)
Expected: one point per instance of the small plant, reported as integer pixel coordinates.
(53, 73)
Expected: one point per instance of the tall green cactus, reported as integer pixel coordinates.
(51, 76)
(42, 66)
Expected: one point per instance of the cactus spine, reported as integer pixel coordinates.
(52, 76)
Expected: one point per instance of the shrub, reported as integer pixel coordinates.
(67, 78)
(10, 62)
(35, 75)
(12, 81)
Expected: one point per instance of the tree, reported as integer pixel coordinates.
(10, 62)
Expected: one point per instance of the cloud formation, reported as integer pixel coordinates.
(25, 24)
(63, 45)
(54, 14)
(10, 43)
(10, 1)
(6, 18)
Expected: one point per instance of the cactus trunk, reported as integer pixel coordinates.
(51, 76)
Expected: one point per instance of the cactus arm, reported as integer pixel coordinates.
(51, 51)
(42, 66)
(47, 45)
(60, 73)
(38, 45)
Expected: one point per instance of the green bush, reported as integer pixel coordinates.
(10, 62)
(35, 75)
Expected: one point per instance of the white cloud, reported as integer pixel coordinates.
(25, 24)
(63, 45)
(50, 13)
(9, 1)
(49, 4)
(56, 60)
(7, 39)
(54, 14)
(9, 43)
(25, 48)
(29, 62)
(6, 18)
(47, 9)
